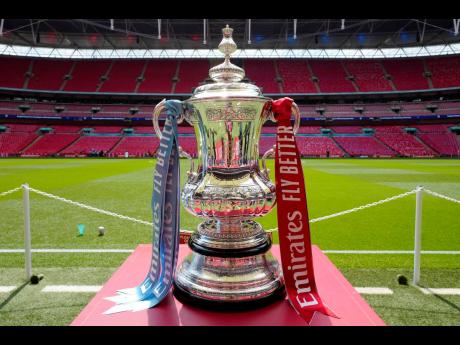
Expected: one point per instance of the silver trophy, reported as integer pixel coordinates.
(230, 265)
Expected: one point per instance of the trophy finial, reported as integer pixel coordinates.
(226, 71)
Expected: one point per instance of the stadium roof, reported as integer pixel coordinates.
(290, 38)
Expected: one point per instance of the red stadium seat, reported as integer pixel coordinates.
(369, 75)
(191, 74)
(364, 146)
(158, 76)
(263, 74)
(50, 144)
(136, 146)
(331, 75)
(296, 76)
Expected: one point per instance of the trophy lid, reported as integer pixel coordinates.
(226, 76)
(226, 71)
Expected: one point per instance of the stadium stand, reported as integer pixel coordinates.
(86, 75)
(368, 75)
(13, 71)
(189, 144)
(347, 129)
(185, 129)
(192, 73)
(123, 76)
(307, 111)
(445, 71)
(446, 144)
(158, 76)
(406, 145)
(107, 129)
(296, 76)
(49, 74)
(50, 144)
(11, 144)
(88, 144)
(136, 146)
(266, 143)
(13, 127)
(440, 139)
(364, 146)
(309, 129)
(263, 74)
(331, 76)
(66, 129)
(406, 74)
(143, 130)
(387, 141)
(318, 147)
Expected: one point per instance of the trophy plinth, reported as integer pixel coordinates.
(230, 266)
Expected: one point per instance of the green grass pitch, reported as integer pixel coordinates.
(124, 186)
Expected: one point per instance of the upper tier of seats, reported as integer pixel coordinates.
(368, 75)
(272, 75)
(445, 71)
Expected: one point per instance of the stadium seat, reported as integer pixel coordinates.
(191, 74)
(263, 74)
(406, 74)
(86, 144)
(12, 71)
(49, 74)
(50, 144)
(368, 75)
(331, 75)
(136, 146)
(318, 147)
(364, 146)
(158, 76)
(86, 75)
(12, 143)
(445, 71)
(123, 76)
(296, 77)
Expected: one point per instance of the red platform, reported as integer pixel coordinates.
(334, 289)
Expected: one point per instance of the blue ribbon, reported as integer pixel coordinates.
(166, 226)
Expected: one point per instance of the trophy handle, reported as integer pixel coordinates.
(155, 119)
(271, 152)
(268, 153)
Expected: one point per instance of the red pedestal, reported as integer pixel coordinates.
(334, 289)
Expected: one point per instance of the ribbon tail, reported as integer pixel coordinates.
(308, 315)
(165, 208)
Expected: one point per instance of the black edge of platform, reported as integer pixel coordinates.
(230, 253)
(187, 298)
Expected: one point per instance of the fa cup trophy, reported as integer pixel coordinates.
(230, 266)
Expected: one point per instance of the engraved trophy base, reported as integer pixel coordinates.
(225, 283)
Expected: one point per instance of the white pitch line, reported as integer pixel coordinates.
(436, 252)
(71, 288)
(8, 251)
(439, 291)
(374, 290)
(7, 288)
(326, 251)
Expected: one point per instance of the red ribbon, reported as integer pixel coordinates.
(293, 224)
